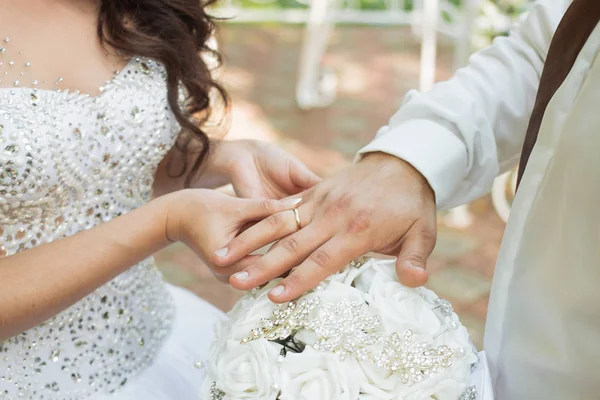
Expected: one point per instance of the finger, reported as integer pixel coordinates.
(223, 274)
(289, 252)
(301, 176)
(274, 227)
(251, 193)
(324, 261)
(255, 209)
(417, 245)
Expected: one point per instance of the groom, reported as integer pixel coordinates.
(532, 97)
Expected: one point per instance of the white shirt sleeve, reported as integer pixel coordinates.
(465, 131)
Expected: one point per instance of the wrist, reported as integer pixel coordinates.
(165, 215)
(399, 167)
(219, 165)
(181, 209)
(228, 156)
(221, 158)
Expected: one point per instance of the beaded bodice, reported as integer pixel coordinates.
(69, 162)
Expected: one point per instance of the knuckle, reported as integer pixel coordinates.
(321, 258)
(267, 205)
(321, 196)
(360, 222)
(274, 220)
(239, 243)
(428, 234)
(415, 257)
(339, 205)
(293, 280)
(311, 195)
(288, 165)
(290, 244)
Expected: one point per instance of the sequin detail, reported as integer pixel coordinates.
(215, 393)
(414, 361)
(444, 306)
(344, 328)
(469, 394)
(69, 162)
(349, 329)
(285, 321)
(21, 70)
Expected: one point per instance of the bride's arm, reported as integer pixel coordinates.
(38, 283)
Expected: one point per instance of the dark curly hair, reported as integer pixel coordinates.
(176, 34)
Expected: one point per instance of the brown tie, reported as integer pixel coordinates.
(572, 32)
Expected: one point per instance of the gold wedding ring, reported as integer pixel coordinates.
(297, 217)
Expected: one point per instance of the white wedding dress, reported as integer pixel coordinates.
(69, 162)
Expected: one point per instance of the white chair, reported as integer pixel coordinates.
(316, 86)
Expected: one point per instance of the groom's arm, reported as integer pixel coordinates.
(464, 132)
(442, 148)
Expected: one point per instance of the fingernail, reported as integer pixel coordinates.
(291, 202)
(241, 276)
(222, 252)
(277, 290)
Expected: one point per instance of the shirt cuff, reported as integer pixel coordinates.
(430, 148)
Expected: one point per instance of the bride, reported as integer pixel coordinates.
(84, 313)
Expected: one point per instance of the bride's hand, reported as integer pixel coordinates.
(205, 220)
(262, 170)
(381, 204)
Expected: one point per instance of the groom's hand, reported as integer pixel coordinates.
(380, 204)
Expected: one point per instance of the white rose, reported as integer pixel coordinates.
(440, 389)
(245, 371)
(385, 268)
(448, 385)
(249, 310)
(336, 292)
(313, 375)
(339, 276)
(349, 274)
(400, 307)
(249, 298)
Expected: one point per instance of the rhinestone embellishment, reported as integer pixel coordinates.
(286, 320)
(444, 306)
(413, 361)
(59, 174)
(359, 262)
(6, 49)
(216, 394)
(348, 329)
(469, 394)
(344, 328)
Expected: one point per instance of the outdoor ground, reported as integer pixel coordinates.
(375, 67)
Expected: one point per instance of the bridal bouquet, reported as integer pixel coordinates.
(360, 335)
